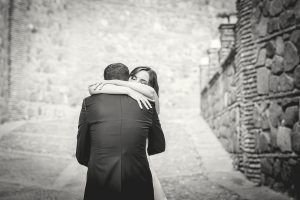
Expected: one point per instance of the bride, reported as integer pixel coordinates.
(141, 86)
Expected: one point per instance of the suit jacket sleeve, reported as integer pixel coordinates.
(83, 139)
(156, 141)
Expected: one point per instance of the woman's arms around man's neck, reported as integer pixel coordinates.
(140, 92)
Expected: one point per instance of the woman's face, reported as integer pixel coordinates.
(140, 77)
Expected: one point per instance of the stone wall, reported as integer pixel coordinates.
(220, 107)
(268, 93)
(59, 47)
(40, 68)
(4, 55)
(276, 112)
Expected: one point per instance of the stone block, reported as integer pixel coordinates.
(270, 181)
(236, 144)
(221, 132)
(277, 65)
(297, 77)
(267, 166)
(264, 105)
(286, 172)
(290, 116)
(257, 119)
(265, 123)
(296, 128)
(295, 38)
(268, 63)
(260, 116)
(273, 136)
(286, 83)
(263, 143)
(296, 138)
(284, 139)
(287, 19)
(278, 186)
(255, 3)
(285, 102)
(261, 58)
(262, 27)
(228, 133)
(274, 83)
(261, 107)
(291, 57)
(267, 136)
(263, 179)
(273, 25)
(233, 115)
(276, 7)
(275, 114)
(289, 3)
(271, 49)
(279, 46)
(256, 16)
(297, 11)
(292, 162)
(226, 144)
(263, 75)
(286, 36)
(266, 7)
(276, 168)
(296, 144)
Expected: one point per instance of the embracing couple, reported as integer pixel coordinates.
(118, 129)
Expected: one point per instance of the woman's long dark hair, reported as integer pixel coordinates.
(152, 76)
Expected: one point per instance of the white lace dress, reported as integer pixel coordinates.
(158, 191)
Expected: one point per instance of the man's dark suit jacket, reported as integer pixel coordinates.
(118, 129)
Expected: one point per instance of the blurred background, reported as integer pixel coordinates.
(57, 48)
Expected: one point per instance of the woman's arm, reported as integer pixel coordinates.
(112, 87)
(115, 89)
(141, 88)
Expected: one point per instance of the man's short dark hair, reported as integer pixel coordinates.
(117, 71)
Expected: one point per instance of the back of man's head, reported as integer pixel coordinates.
(117, 71)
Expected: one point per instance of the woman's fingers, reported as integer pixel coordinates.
(149, 104)
(139, 103)
(146, 103)
(142, 101)
(101, 86)
(97, 85)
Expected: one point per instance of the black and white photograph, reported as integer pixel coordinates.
(149, 99)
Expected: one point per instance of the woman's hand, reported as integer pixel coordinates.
(99, 85)
(141, 99)
(92, 88)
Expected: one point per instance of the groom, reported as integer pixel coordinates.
(115, 130)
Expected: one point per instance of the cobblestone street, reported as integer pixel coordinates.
(37, 162)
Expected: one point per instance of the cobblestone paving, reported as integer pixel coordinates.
(195, 187)
(37, 162)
